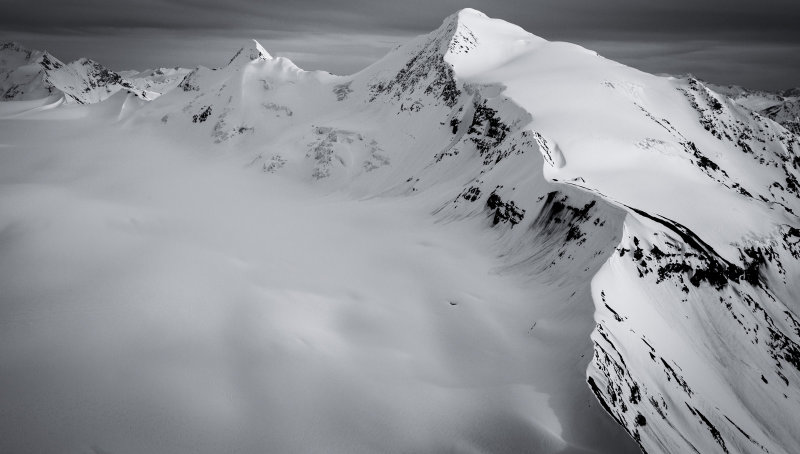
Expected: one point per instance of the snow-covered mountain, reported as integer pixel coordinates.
(27, 74)
(782, 106)
(155, 82)
(642, 233)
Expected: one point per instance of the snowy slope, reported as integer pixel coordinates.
(783, 106)
(155, 82)
(755, 100)
(624, 245)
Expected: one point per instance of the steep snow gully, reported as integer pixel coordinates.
(483, 242)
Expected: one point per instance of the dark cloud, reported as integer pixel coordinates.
(346, 35)
(766, 20)
(755, 65)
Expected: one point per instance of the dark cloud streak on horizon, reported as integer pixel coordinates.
(667, 29)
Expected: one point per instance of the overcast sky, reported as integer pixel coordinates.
(751, 43)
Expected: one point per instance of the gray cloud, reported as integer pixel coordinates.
(756, 65)
(728, 34)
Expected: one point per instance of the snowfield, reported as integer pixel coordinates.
(485, 242)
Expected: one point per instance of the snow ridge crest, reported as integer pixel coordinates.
(455, 35)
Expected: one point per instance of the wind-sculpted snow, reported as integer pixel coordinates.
(626, 246)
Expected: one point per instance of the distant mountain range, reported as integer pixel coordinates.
(27, 74)
(33, 74)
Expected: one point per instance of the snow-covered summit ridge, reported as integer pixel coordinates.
(253, 54)
(477, 42)
(563, 85)
(568, 92)
(469, 40)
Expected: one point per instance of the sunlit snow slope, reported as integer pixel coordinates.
(483, 242)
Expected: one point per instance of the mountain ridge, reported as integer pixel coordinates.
(38, 74)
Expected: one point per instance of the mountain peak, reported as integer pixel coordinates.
(13, 55)
(84, 61)
(463, 15)
(252, 50)
(476, 42)
(470, 12)
(455, 34)
(13, 46)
